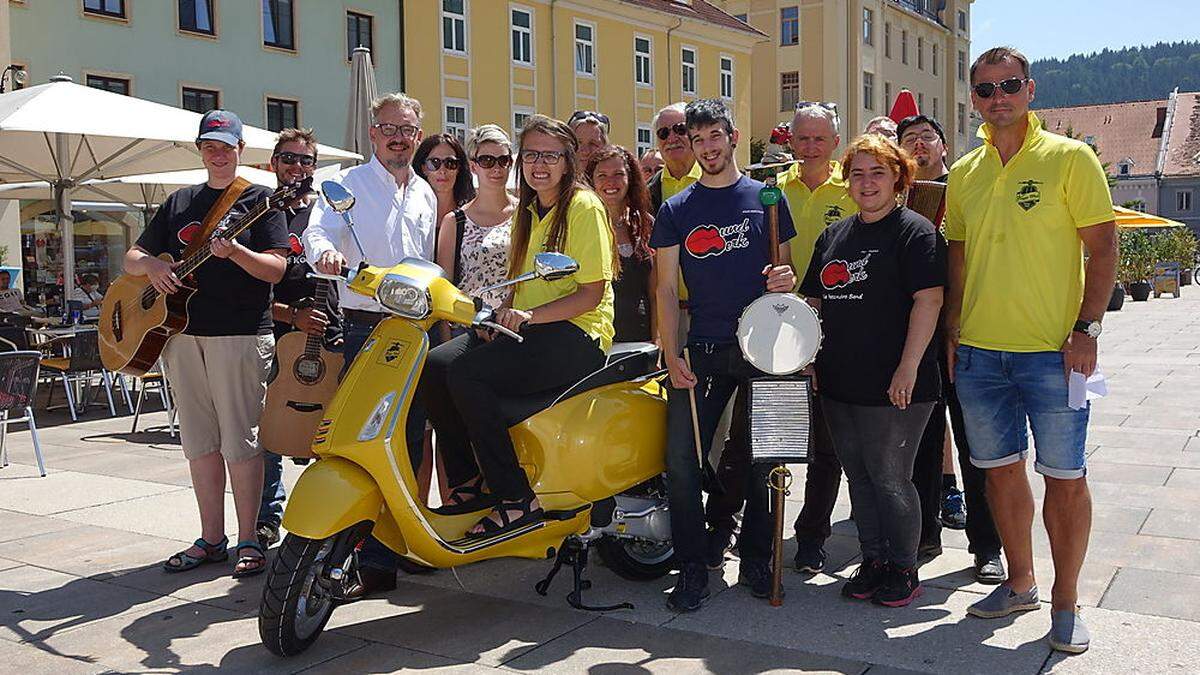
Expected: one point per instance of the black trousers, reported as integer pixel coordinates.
(469, 377)
(719, 370)
(927, 474)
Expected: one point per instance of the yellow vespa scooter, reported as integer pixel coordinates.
(594, 454)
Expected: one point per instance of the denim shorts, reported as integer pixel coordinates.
(1000, 391)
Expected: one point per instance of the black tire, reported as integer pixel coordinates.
(298, 596)
(636, 560)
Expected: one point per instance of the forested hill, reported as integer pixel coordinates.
(1130, 74)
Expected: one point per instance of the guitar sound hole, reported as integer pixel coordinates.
(116, 321)
(309, 370)
(148, 300)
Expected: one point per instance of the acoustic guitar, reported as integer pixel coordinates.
(136, 320)
(301, 384)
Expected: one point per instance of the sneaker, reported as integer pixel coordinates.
(1068, 633)
(954, 511)
(989, 568)
(757, 576)
(810, 556)
(928, 551)
(865, 581)
(1003, 601)
(691, 590)
(719, 543)
(267, 533)
(900, 586)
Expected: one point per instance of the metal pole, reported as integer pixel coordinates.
(66, 221)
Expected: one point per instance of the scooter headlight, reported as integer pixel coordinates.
(404, 296)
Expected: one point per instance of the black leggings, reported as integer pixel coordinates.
(464, 380)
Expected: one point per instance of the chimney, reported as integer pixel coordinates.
(1160, 122)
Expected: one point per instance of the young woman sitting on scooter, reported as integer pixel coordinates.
(567, 326)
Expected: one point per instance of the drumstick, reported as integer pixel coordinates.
(687, 358)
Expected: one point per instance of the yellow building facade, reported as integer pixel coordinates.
(860, 54)
(473, 62)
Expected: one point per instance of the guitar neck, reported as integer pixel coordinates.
(312, 345)
(189, 264)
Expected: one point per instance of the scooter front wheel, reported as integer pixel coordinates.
(301, 590)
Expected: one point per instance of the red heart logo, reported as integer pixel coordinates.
(704, 241)
(295, 245)
(188, 232)
(835, 274)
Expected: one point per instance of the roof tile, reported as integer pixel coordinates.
(699, 10)
(1119, 130)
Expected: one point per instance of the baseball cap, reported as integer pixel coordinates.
(220, 125)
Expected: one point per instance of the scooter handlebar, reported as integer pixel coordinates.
(497, 327)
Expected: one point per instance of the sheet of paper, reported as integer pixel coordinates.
(1082, 389)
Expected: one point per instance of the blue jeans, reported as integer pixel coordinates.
(1003, 392)
(270, 511)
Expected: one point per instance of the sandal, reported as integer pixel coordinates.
(491, 528)
(249, 565)
(466, 498)
(183, 561)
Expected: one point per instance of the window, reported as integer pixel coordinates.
(113, 8)
(200, 100)
(962, 119)
(935, 108)
(454, 26)
(520, 117)
(934, 58)
(962, 20)
(585, 49)
(868, 27)
(687, 82)
(1183, 201)
(789, 91)
(789, 26)
(887, 94)
(744, 18)
(456, 120)
(359, 32)
(11, 78)
(869, 91)
(726, 77)
(642, 70)
(920, 101)
(278, 24)
(920, 53)
(904, 46)
(962, 66)
(282, 114)
(1124, 167)
(196, 16)
(887, 40)
(117, 85)
(522, 36)
(643, 140)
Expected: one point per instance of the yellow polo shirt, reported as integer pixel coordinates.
(672, 186)
(589, 241)
(813, 210)
(1024, 258)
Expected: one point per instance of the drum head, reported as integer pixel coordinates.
(779, 333)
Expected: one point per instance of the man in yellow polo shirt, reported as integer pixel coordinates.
(1023, 314)
(680, 169)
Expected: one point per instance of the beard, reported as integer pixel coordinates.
(722, 163)
(397, 163)
(922, 161)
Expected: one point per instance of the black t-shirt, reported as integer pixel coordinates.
(228, 300)
(296, 288)
(865, 275)
(631, 301)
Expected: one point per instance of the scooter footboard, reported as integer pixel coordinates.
(331, 495)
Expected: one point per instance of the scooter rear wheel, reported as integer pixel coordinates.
(299, 594)
(636, 560)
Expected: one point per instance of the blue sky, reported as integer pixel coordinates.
(1058, 28)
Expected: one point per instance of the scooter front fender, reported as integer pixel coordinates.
(331, 495)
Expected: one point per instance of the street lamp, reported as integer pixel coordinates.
(19, 75)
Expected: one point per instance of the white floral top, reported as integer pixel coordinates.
(483, 259)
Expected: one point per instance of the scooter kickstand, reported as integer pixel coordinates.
(574, 553)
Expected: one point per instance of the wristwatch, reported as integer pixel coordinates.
(1091, 329)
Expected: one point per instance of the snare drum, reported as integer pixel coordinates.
(779, 333)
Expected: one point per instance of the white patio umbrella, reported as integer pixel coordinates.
(63, 133)
(363, 91)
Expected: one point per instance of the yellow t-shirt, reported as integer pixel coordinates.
(589, 241)
(1024, 258)
(813, 210)
(671, 187)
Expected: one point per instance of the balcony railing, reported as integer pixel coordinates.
(931, 9)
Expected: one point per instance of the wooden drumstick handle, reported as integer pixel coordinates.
(773, 229)
(687, 358)
(779, 488)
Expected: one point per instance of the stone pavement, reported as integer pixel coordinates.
(81, 591)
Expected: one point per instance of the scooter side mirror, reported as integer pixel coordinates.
(337, 196)
(551, 266)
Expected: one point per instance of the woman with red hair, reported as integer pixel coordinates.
(876, 278)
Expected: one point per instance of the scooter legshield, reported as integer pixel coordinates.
(331, 495)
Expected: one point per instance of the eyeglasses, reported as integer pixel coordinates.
(488, 161)
(585, 115)
(924, 137)
(828, 105)
(434, 163)
(1010, 86)
(549, 157)
(679, 128)
(291, 158)
(388, 129)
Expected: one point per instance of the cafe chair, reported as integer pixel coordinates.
(78, 368)
(155, 378)
(18, 388)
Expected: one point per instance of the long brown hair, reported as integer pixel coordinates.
(637, 199)
(523, 224)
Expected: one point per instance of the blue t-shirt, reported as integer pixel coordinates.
(723, 248)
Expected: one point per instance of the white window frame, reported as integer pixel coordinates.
(516, 128)
(887, 95)
(781, 20)
(648, 145)
(920, 53)
(454, 127)
(726, 73)
(962, 20)
(933, 59)
(683, 70)
(962, 119)
(461, 18)
(513, 29)
(783, 105)
(646, 58)
(904, 47)
(1183, 201)
(887, 39)
(590, 46)
(868, 26)
(868, 90)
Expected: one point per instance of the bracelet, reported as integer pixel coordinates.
(292, 321)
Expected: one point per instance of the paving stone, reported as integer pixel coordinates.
(64, 491)
(1111, 455)
(38, 603)
(168, 470)
(955, 570)
(1172, 523)
(16, 525)
(85, 550)
(1127, 474)
(168, 515)
(32, 659)
(1154, 592)
(1162, 419)
(1132, 643)
(1185, 478)
(374, 657)
(1125, 437)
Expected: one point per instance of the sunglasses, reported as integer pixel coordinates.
(434, 163)
(585, 115)
(388, 129)
(679, 128)
(488, 161)
(291, 158)
(820, 104)
(1009, 86)
(550, 157)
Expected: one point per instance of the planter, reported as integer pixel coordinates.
(1185, 278)
(1117, 300)
(1140, 290)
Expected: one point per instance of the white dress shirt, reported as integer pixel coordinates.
(391, 223)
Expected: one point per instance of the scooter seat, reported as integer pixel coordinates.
(625, 361)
